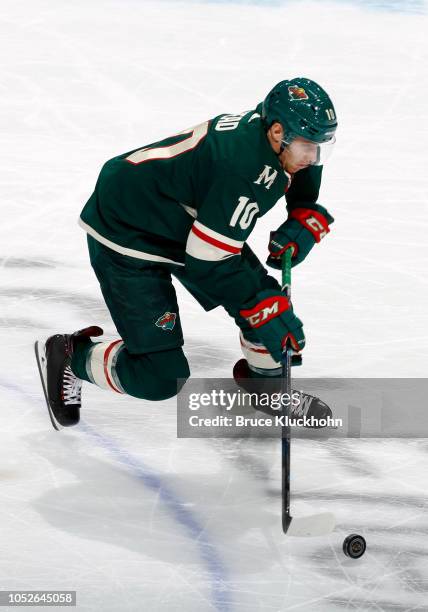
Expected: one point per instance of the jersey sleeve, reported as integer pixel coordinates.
(213, 251)
(304, 188)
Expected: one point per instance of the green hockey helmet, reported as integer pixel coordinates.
(303, 109)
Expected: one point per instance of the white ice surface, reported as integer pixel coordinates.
(119, 509)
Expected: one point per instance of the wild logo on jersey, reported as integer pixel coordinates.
(297, 93)
(166, 321)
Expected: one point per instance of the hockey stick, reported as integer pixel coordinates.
(313, 524)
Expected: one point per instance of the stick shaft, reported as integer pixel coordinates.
(286, 389)
(286, 272)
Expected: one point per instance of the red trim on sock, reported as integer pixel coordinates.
(106, 374)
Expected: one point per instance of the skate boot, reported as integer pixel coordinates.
(307, 406)
(61, 387)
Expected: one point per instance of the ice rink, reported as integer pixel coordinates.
(118, 508)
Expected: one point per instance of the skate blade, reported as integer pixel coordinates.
(41, 364)
(312, 526)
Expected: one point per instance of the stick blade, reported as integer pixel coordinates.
(312, 525)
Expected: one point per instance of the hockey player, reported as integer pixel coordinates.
(185, 207)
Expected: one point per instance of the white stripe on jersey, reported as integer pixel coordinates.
(208, 245)
(191, 211)
(124, 250)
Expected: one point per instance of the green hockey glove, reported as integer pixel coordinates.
(303, 228)
(274, 322)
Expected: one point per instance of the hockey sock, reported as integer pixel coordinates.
(78, 360)
(96, 363)
(109, 365)
(260, 362)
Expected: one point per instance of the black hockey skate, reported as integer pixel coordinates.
(308, 405)
(61, 387)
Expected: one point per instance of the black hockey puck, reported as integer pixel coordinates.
(354, 546)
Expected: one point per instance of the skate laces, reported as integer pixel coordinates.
(71, 387)
(302, 408)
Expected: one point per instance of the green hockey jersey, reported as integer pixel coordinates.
(193, 199)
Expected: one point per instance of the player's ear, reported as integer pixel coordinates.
(277, 133)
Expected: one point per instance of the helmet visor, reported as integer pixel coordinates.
(308, 153)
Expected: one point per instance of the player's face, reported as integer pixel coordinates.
(299, 154)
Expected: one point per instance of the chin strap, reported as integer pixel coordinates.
(282, 146)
